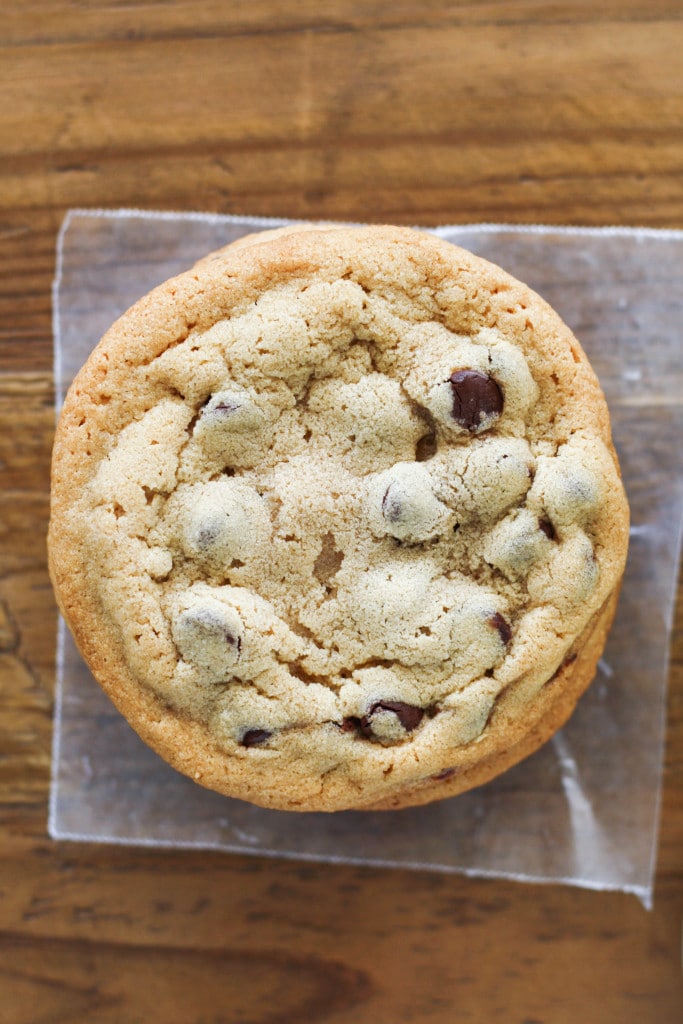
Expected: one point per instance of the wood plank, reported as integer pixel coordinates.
(93, 925)
(514, 81)
(460, 175)
(44, 23)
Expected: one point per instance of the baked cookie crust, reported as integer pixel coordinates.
(336, 519)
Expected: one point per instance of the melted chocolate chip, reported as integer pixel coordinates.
(548, 528)
(226, 406)
(445, 773)
(234, 641)
(476, 397)
(208, 534)
(408, 715)
(503, 627)
(205, 625)
(350, 724)
(392, 508)
(254, 737)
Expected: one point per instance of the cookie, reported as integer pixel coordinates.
(336, 519)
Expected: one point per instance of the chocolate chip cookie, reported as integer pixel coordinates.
(336, 519)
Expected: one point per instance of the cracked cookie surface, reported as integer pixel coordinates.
(336, 519)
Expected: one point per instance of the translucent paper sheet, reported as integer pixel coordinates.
(583, 810)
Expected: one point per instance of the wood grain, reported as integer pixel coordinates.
(414, 112)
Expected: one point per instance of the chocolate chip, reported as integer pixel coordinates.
(503, 627)
(205, 624)
(408, 715)
(234, 641)
(392, 507)
(208, 533)
(548, 528)
(365, 725)
(255, 737)
(224, 406)
(350, 724)
(445, 773)
(476, 397)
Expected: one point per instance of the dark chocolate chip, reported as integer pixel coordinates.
(254, 737)
(234, 641)
(350, 724)
(226, 406)
(476, 396)
(408, 715)
(392, 507)
(365, 725)
(208, 534)
(445, 773)
(208, 625)
(548, 528)
(503, 627)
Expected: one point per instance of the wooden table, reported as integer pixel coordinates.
(432, 112)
